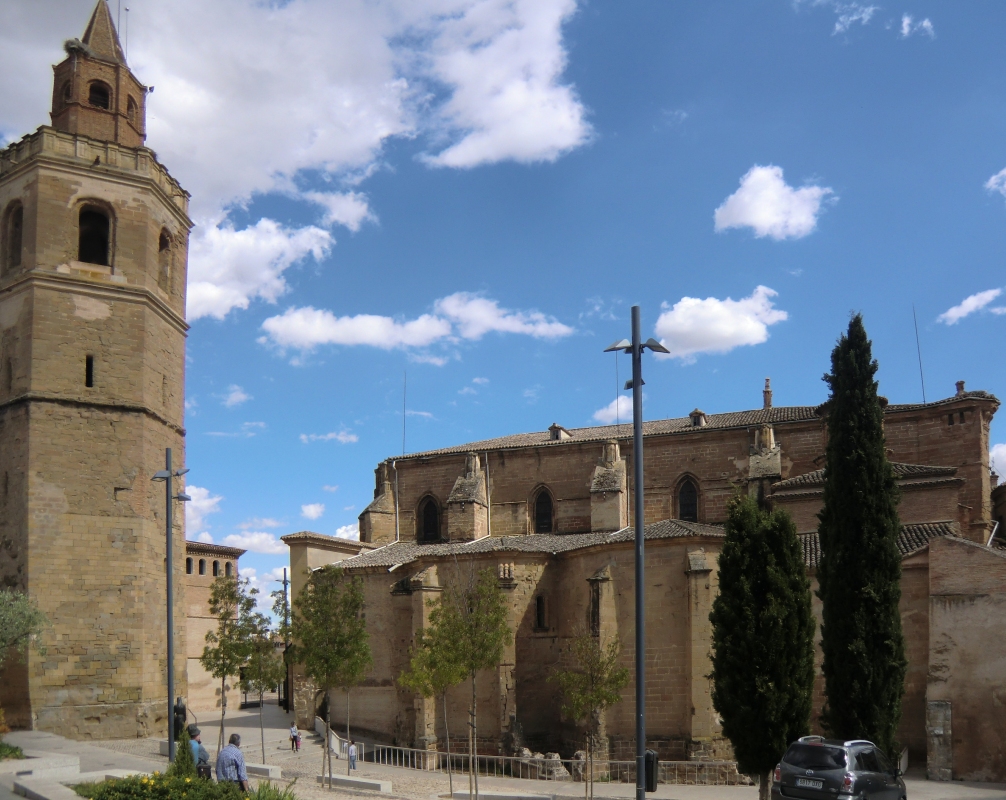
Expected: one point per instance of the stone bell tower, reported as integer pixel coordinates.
(93, 242)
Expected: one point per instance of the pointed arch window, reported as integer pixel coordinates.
(544, 516)
(688, 501)
(428, 520)
(164, 261)
(12, 237)
(93, 236)
(131, 110)
(99, 95)
(67, 94)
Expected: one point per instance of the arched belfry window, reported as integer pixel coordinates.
(12, 236)
(428, 521)
(94, 236)
(99, 95)
(543, 512)
(688, 501)
(227, 569)
(164, 261)
(131, 110)
(67, 93)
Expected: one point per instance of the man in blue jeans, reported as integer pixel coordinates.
(231, 764)
(352, 754)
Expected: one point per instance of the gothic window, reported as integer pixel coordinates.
(543, 516)
(12, 237)
(594, 611)
(202, 566)
(99, 95)
(688, 501)
(539, 613)
(131, 110)
(93, 239)
(216, 569)
(67, 94)
(188, 566)
(164, 261)
(227, 569)
(429, 521)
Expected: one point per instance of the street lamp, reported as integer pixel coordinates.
(635, 349)
(167, 475)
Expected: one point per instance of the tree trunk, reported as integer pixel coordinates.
(763, 786)
(447, 735)
(349, 742)
(586, 766)
(328, 734)
(261, 724)
(223, 711)
(475, 738)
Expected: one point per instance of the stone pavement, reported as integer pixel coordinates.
(303, 767)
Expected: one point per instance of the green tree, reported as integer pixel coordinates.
(595, 683)
(331, 636)
(859, 574)
(264, 667)
(22, 624)
(473, 616)
(226, 651)
(763, 638)
(433, 669)
(184, 765)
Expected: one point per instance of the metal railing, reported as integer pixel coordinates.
(338, 745)
(707, 773)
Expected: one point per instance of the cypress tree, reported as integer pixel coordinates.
(763, 638)
(859, 572)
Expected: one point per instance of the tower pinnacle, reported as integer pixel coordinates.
(101, 37)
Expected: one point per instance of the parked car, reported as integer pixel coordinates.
(814, 767)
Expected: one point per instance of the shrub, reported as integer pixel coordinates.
(8, 751)
(184, 765)
(170, 787)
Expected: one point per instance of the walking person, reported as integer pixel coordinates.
(199, 753)
(352, 754)
(231, 764)
(294, 738)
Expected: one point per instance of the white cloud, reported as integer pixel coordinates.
(618, 409)
(997, 183)
(330, 488)
(307, 327)
(476, 316)
(997, 457)
(766, 203)
(312, 510)
(235, 396)
(349, 209)
(343, 437)
(970, 305)
(265, 583)
(229, 268)
(424, 414)
(260, 522)
(692, 326)
(257, 542)
(503, 60)
(480, 381)
(247, 430)
(349, 531)
(205, 537)
(202, 504)
(851, 13)
(909, 27)
(467, 390)
(426, 358)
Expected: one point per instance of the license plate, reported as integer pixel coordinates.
(807, 783)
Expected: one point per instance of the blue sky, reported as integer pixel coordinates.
(472, 193)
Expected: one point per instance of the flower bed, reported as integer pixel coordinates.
(165, 787)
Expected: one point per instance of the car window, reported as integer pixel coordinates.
(814, 756)
(885, 765)
(868, 761)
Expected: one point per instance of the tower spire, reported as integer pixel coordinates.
(101, 37)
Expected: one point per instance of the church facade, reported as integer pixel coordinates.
(93, 250)
(550, 514)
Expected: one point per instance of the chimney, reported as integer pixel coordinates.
(767, 394)
(960, 388)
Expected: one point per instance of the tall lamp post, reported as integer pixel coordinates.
(635, 349)
(168, 475)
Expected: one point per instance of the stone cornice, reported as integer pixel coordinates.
(26, 398)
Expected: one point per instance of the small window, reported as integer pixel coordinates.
(429, 521)
(93, 239)
(950, 418)
(89, 372)
(227, 569)
(543, 512)
(8, 374)
(539, 613)
(216, 569)
(13, 237)
(99, 95)
(688, 502)
(960, 418)
(67, 94)
(164, 262)
(131, 110)
(202, 566)
(595, 609)
(188, 566)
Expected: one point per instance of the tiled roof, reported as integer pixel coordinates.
(330, 542)
(547, 543)
(901, 471)
(679, 425)
(912, 538)
(214, 549)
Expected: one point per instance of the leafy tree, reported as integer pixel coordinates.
(763, 638)
(264, 667)
(232, 603)
(22, 624)
(594, 684)
(859, 574)
(433, 669)
(282, 612)
(331, 636)
(184, 765)
(473, 617)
